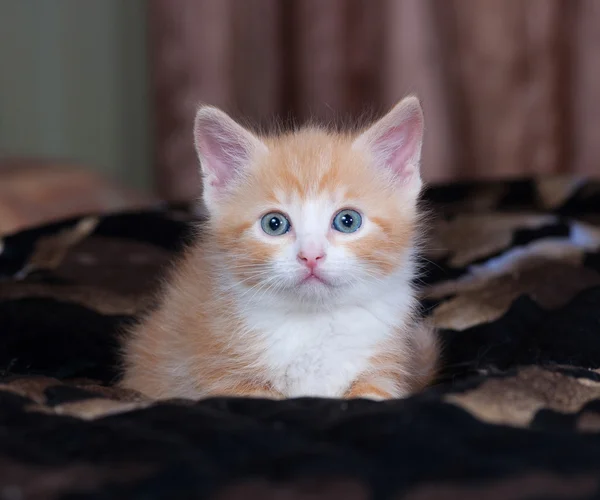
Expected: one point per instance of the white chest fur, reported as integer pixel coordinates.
(322, 353)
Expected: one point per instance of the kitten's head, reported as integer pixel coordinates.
(313, 214)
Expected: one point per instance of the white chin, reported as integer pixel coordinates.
(317, 290)
(313, 281)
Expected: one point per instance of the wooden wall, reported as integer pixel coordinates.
(509, 87)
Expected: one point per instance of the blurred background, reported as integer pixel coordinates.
(97, 97)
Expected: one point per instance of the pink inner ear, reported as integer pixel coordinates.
(398, 146)
(223, 152)
(214, 149)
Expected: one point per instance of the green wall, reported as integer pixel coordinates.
(74, 84)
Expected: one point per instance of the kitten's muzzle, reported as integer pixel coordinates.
(311, 258)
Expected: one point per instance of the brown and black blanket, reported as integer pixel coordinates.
(511, 278)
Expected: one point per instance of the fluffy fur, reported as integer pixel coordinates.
(241, 314)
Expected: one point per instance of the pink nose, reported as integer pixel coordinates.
(310, 258)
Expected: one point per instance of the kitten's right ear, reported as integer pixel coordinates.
(224, 149)
(394, 143)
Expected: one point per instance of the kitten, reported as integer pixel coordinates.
(301, 284)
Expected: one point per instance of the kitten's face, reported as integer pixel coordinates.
(311, 215)
(312, 218)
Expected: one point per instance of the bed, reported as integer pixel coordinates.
(511, 277)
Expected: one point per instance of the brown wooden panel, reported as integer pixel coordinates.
(509, 87)
(545, 139)
(415, 61)
(584, 98)
(491, 69)
(319, 58)
(192, 62)
(258, 55)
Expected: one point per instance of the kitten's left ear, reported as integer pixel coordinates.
(225, 150)
(394, 143)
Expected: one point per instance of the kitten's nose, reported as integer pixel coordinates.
(311, 257)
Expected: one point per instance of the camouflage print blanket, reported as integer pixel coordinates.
(511, 277)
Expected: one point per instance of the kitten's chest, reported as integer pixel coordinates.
(319, 354)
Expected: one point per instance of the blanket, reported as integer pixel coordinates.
(510, 276)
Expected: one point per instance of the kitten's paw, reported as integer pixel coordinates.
(372, 397)
(364, 390)
(262, 395)
(246, 390)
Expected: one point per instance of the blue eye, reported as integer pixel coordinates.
(347, 221)
(275, 224)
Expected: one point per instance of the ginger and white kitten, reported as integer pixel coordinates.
(301, 284)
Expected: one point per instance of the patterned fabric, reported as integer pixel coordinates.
(39, 191)
(511, 277)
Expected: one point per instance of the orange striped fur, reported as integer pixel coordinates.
(241, 314)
